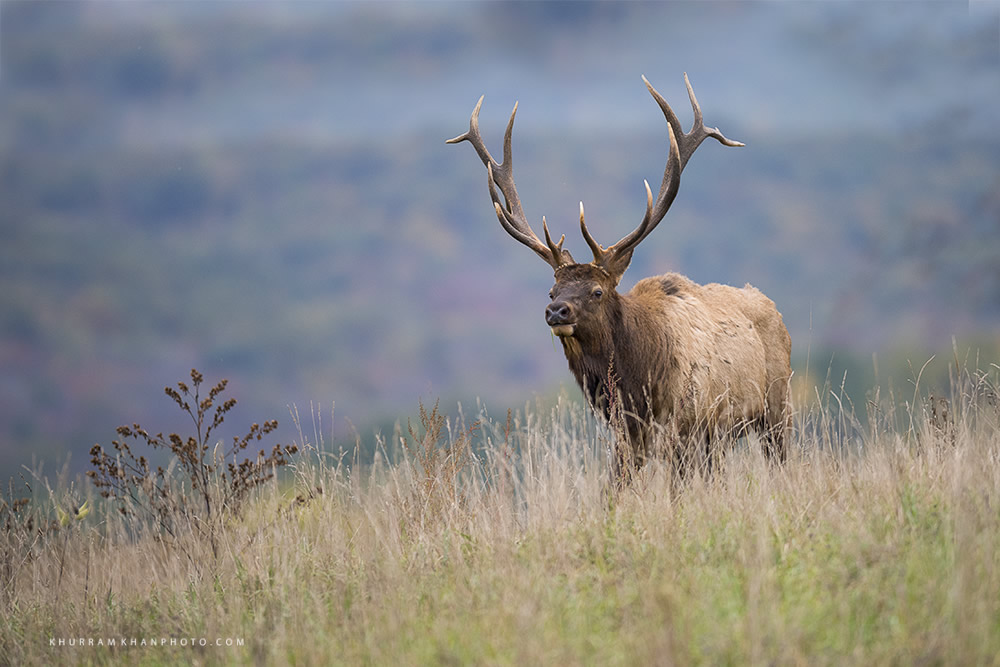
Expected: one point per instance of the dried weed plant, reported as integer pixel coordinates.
(205, 480)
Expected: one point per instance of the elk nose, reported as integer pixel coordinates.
(559, 312)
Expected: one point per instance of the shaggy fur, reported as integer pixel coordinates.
(689, 362)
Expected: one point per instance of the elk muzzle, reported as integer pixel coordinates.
(561, 316)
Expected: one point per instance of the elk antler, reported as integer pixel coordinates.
(509, 211)
(615, 259)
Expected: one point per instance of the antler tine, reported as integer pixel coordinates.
(555, 248)
(689, 141)
(473, 136)
(595, 247)
(699, 124)
(500, 176)
(508, 220)
(616, 258)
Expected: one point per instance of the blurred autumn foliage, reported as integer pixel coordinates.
(263, 191)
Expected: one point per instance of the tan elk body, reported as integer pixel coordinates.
(679, 364)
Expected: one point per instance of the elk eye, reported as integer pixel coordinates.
(552, 294)
(597, 293)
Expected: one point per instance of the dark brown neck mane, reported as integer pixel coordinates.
(615, 362)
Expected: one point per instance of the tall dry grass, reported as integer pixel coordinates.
(877, 543)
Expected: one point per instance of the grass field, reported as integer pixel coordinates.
(878, 543)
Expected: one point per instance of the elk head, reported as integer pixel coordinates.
(584, 296)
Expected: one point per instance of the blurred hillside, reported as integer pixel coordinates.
(262, 190)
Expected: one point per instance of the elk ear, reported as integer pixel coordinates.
(617, 264)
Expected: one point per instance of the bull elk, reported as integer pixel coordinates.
(680, 364)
